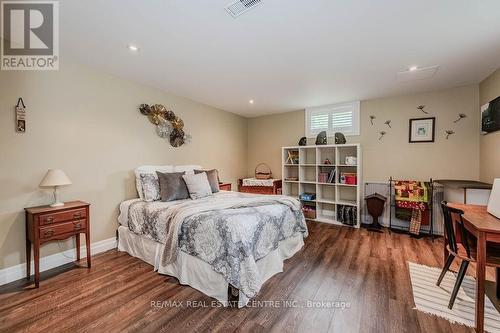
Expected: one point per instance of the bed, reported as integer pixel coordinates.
(228, 240)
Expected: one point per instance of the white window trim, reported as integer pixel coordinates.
(354, 106)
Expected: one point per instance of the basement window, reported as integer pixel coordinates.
(342, 117)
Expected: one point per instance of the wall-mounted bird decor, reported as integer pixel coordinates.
(460, 117)
(388, 123)
(382, 133)
(372, 118)
(168, 125)
(421, 108)
(448, 133)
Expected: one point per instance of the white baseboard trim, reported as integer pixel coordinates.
(17, 272)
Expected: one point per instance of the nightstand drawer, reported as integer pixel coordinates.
(63, 216)
(62, 228)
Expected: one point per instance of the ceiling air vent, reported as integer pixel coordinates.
(241, 6)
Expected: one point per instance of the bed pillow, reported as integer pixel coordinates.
(198, 185)
(150, 187)
(150, 170)
(172, 186)
(188, 169)
(213, 178)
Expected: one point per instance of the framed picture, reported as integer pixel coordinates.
(422, 130)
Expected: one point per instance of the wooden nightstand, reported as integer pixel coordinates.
(225, 186)
(45, 224)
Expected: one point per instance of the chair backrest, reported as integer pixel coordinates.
(454, 215)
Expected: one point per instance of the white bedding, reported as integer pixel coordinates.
(235, 238)
(198, 274)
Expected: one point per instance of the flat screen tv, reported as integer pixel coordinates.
(490, 116)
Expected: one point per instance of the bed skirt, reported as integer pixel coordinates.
(198, 274)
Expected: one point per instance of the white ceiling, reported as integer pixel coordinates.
(284, 54)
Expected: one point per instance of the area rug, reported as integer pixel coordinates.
(432, 299)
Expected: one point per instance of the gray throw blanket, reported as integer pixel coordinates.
(177, 214)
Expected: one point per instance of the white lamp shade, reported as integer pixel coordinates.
(55, 177)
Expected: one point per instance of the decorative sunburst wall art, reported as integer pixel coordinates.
(168, 125)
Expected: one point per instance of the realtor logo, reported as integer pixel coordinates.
(30, 35)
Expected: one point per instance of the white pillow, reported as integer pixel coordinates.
(198, 185)
(149, 170)
(188, 169)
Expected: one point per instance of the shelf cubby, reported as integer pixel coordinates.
(325, 153)
(325, 193)
(291, 171)
(307, 155)
(307, 174)
(325, 212)
(291, 188)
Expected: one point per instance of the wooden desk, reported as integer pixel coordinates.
(486, 228)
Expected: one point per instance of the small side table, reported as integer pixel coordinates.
(225, 186)
(45, 224)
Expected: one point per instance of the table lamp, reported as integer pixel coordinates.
(55, 178)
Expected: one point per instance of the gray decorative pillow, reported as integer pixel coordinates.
(150, 187)
(172, 186)
(213, 178)
(198, 185)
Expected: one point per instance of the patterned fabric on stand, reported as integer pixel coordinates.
(411, 196)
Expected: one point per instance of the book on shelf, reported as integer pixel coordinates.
(331, 177)
(326, 177)
(323, 177)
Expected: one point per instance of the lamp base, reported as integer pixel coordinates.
(57, 204)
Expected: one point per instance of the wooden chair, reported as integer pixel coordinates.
(461, 248)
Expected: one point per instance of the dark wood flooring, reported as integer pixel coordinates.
(367, 270)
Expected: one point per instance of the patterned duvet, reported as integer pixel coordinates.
(230, 240)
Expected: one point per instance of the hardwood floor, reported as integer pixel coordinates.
(367, 270)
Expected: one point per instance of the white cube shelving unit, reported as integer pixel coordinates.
(330, 197)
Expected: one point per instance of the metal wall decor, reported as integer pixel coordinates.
(372, 117)
(382, 133)
(460, 117)
(421, 108)
(448, 133)
(168, 125)
(388, 123)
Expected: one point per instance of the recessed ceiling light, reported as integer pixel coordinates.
(132, 48)
(413, 68)
(251, 101)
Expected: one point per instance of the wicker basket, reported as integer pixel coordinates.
(264, 172)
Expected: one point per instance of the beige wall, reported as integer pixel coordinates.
(457, 157)
(489, 89)
(88, 124)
